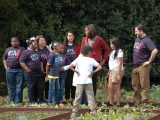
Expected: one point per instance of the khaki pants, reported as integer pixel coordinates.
(141, 82)
(90, 96)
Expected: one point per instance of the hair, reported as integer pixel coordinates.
(85, 50)
(92, 29)
(115, 42)
(140, 27)
(15, 38)
(30, 40)
(38, 38)
(65, 42)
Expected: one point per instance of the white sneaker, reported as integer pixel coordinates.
(33, 105)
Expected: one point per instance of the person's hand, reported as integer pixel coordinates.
(46, 78)
(90, 75)
(77, 73)
(145, 64)
(102, 62)
(119, 77)
(108, 73)
(28, 70)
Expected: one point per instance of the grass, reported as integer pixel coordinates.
(26, 115)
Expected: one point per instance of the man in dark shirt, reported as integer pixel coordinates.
(14, 72)
(144, 53)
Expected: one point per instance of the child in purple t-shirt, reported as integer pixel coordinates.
(14, 72)
(31, 63)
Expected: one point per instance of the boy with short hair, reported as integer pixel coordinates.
(52, 73)
(84, 65)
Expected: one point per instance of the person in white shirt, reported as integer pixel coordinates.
(84, 69)
(115, 71)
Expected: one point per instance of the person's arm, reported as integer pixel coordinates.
(4, 59)
(25, 67)
(120, 62)
(152, 57)
(5, 64)
(47, 71)
(99, 67)
(106, 49)
(74, 70)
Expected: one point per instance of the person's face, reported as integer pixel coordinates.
(138, 33)
(15, 42)
(42, 42)
(35, 45)
(112, 45)
(57, 48)
(70, 37)
(87, 32)
(62, 49)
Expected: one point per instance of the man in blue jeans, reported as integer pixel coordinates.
(14, 72)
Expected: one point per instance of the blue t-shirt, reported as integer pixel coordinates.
(12, 56)
(56, 62)
(44, 54)
(142, 50)
(32, 59)
(66, 61)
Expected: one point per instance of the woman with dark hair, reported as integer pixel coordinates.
(98, 45)
(44, 54)
(72, 50)
(31, 63)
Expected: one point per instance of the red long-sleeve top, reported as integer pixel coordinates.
(97, 47)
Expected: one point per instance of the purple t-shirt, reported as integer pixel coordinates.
(142, 50)
(70, 52)
(44, 54)
(12, 56)
(32, 59)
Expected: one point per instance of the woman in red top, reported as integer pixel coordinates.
(98, 45)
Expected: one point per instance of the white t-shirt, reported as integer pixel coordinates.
(113, 63)
(85, 66)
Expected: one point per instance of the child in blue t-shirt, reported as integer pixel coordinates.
(63, 74)
(55, 62)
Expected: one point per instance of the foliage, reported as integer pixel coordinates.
(53, 18)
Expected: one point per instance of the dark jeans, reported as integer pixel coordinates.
(46, 90)
(35, 85)
(14, 79)
(94, 81)
(69, 88)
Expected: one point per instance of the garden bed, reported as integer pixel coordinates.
(65, 113)
(34, 114)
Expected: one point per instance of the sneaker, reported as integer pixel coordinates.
(93, 113)
(12, 103)
(43, 105)
(33, 105)
(18, 104)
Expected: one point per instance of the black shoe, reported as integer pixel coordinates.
(110, 105)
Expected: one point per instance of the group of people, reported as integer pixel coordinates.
(69, 70)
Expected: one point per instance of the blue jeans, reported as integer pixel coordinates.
(35, 85)
(62, 83)
(54, 89)
(15, 84)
